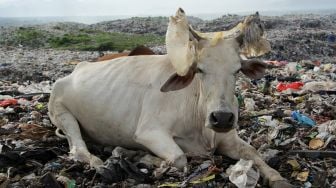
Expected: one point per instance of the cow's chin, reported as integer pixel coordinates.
(219, 129)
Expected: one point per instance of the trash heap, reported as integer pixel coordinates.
(289, 116)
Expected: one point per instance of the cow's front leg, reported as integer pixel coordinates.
(163, 145)
(231, 145)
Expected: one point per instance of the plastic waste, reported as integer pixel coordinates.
(307, 185)
(326, 129)
(240, 99)
(302, 119)
(44, 87)
(71, 184)
(291, 68)
(294, 164)
(23, 102)
(268, 121)
(315, 143)
(328, 67)
(277, 63)
(294, 85)
(302, 176)
(4, 97)
(331, 38)
(243, 175)
(316, 69)
(319, 86)
(249, 104)
(8, 102)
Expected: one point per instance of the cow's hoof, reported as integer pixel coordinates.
(86, 157)
(180, 162)
(281, 184)
(95, 162)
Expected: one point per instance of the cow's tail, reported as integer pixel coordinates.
(59, 134)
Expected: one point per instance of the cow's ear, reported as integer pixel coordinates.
(253, 68)
(176, 82)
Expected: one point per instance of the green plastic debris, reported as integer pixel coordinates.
(71, 184)
(240, 99)
(312, 135)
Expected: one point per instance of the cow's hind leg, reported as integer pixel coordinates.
(65, 121)
(233, 146)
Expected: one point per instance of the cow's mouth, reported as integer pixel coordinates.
(221, 129)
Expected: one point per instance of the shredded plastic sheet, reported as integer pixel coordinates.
(199, 181)
(243, 175)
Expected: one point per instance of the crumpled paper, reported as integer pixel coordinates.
(243, 175)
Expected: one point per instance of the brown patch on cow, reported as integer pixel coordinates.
(112, 56)
(141, 50)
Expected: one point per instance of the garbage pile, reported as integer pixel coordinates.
(289, 116)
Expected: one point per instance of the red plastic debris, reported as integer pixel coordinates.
(317, 63)
(277, 63)
(8, 102)
(294, 85)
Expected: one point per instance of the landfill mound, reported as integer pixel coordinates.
(289, 116)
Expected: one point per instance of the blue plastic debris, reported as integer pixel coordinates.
(302, 119)
(331, 38)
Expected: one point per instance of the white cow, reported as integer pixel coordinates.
(168, 104)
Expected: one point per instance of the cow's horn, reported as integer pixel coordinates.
(181, 43)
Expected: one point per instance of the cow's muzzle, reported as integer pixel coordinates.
(221, 120)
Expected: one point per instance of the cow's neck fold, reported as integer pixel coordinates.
(207, 136)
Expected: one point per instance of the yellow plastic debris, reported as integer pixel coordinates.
(295, 165)
(302, 176)
(178, 184)
(39, 106)
(316, 143)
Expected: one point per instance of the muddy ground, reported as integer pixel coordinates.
(32, 156)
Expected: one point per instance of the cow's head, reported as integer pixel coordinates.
(215, 60)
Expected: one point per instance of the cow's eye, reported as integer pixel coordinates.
(200, 70)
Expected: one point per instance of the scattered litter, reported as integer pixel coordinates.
(319, 86)
(295, 165)
(326, 129)
(307, 185)
(294, 86)
(49, 180)
(249, 104)
(302, 176)
(302, 119)
(242, 174)
(44, 87)
(313, 153)
(8, 102)
(71, 184)
(315, 143)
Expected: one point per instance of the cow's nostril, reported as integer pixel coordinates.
(231, 119)
(221, 119)
(213, 119)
